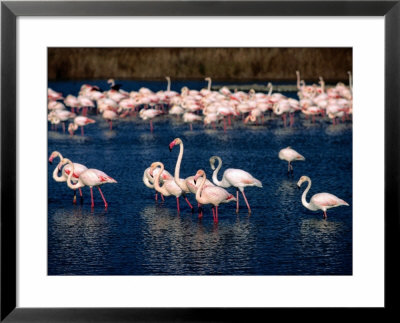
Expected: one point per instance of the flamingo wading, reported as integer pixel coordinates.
(78, 170)
(319, 201)
(211, 194)
(90, 177)
(234, 177)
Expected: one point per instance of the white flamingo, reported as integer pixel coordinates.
(90, 177)
(148, 179)
(169, 187)
(78, 170)
(320, 201)
(211, 194)
(234, 177)
(290, 155)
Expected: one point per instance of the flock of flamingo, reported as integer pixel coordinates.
(209, 107)
(205, 106)
(206, 192)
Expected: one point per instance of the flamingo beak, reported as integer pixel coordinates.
(171, 145)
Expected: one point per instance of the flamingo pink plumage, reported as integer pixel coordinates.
(169, 187)
(290, 155)
(211, 194)
(79, 121)
(78, 170)
(90, 177)
(234, 177)
(320, 201)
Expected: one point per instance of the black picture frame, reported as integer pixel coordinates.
(10, 10)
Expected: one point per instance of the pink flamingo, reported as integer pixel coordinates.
(320, 201)
(90, 177)
(79, 169)
(79, 121)
(290, 155)
(211, 194)
(234, 177)
(169, 187)
(149, 114)
(110, 115)
(188, 184)
(148, 179)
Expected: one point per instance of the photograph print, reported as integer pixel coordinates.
(200, 161)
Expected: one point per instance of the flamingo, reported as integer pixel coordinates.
(234, 177)
(148, 179)
(169, 187)
(290, 155)
(90, 177)
(211, 194)
(320, 201)
(79, 121)
(110, 115)
(79, 169)
(149, 114)
(187, 185)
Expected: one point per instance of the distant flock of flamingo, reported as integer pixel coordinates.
(206, 192)
(205, 106)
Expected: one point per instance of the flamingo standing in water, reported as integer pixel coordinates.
(211, 194)
(109, 116)
(148, 179)
(320, 201)
(79, 169)
(90, 177)
(79, 121)
(290, 155)
(188, 184)
(169, 187)
(149, 114)
(234, 177)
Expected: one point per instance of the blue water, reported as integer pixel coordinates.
(138, 236)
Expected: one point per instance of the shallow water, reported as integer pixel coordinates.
(138, 236)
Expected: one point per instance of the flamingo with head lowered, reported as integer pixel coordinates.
(211, 194)
(234, 177)
(78, 170)
(290, 155)
(320, 201)
(90, 177)
(79, 121)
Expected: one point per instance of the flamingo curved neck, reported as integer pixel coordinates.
(55, 172)
(157, 181)
(215, 173)
(200, 189)
(78, 184)
(303, 197)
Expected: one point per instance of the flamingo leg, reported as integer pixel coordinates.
(247, 203)
(80, 191)
(63, 126)
(74, 200)
(191, 127)
(110, 124)
(151, 126)
(82, 131)
(101, 193)
(213, 211)
(187, 201)
(237, 200)
(216, 213)
(325, 216)
(177, 204)
(91, 195)
(156, 197)
(162, 197)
